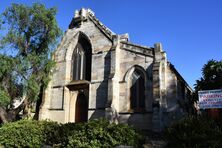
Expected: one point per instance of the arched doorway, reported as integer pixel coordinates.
(81, 112)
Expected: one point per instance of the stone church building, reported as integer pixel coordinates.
(102, 74)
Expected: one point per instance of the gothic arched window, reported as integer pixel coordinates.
(82, 61)
(137, 91)
(79, 61)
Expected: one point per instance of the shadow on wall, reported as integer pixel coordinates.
(142, 119)
(102, 90)
(174, 110)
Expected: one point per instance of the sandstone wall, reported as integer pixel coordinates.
(57, 96)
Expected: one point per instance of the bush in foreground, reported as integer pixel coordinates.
(195, 131)
(26, 133)
(95, 133)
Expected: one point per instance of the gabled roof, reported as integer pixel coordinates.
(84, 14)
(179, 76)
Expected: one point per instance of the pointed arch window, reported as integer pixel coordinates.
(79, 60)
(137, 91)
(82, 55)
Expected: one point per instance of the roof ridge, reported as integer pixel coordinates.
(137, 45)
(84, 14)
(104, 28)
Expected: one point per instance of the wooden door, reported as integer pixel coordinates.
(81, 113)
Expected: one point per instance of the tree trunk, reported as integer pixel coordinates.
(38, 103)
(26, 108)
(10, 114)
(3, 115)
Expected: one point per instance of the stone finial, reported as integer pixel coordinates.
(159, 53)
(124, 37)
(76, 14)
(79, 17)
(158, 47)
(83, 12)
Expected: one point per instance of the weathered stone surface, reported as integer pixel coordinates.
(113, 61)
(57, 98)
(98, 97)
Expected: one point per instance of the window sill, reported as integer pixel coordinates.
(131, 112)
(78, 84)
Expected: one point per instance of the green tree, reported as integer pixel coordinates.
(204, 130)
(211, 77)
(29, 33)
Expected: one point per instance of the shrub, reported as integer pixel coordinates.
(21, 134)
(100, 133)
(51, 132)
(95, 133)
(195, 131)
(28, 133)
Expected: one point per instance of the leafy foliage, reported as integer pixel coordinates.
(4, 98)
(211, 77)
(200, 130)
(29, 35)
(195, 131)
(95, 133)
(99, 133)
(7, 79)
(23, 133)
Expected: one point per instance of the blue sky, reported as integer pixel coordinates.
(189, 30)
